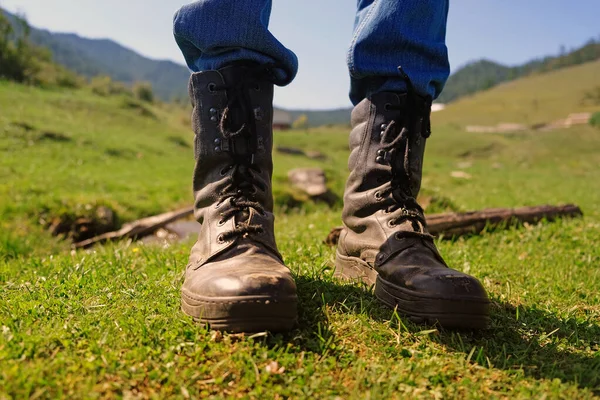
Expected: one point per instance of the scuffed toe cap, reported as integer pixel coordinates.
(240, 276)
(418, 269)
(447, 284)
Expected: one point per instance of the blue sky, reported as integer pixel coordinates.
(508, 31)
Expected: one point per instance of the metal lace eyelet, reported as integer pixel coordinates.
(212, 87)
(391, 223)
(224, 171)
(378, 196)
(221, 222)
(387, 106)
(220, 239)
(214, 114)
(397, 236)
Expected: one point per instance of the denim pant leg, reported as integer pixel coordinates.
(392, 33)
(213, 33)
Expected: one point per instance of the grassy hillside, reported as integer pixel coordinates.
(532, 100)
(64, 150)
(484, 74)
(106, 323)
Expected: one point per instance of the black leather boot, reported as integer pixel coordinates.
(385, 241)
(236, 279)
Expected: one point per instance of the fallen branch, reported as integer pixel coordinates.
(138, 229)
(458, 224)
(447, 225)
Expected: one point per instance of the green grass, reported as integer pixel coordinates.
(106, 323)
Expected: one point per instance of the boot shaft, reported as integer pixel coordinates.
(211, 92)
(376, 123)
(232, 120)
(387, 147)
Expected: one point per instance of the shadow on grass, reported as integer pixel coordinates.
(517, 340)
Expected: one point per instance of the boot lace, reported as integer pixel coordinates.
(241, 133)
(396, 152)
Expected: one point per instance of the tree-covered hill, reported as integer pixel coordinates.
(472, 78)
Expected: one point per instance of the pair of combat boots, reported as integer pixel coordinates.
(236, 279)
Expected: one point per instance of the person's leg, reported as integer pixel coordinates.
(235, 279)
(385, 240)
(214, 33)
(392, 33)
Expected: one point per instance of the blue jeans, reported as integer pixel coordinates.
(387, 34)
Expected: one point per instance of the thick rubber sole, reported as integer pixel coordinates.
(456, 312)
(242, 313)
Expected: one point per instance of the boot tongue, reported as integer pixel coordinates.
(401, 175)
(238, 72)
(240, 145)
(236, 77)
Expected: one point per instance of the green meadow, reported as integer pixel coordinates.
(105, 322)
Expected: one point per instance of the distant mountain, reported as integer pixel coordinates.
(484, 74)
(168, 79)
(91, 57)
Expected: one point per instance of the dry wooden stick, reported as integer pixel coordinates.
(473, 222)
(138, 229)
